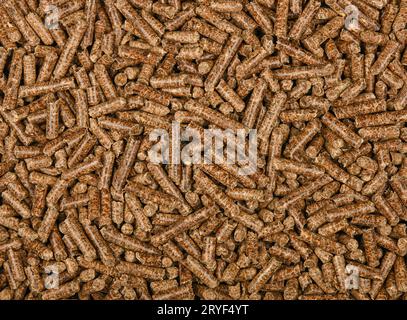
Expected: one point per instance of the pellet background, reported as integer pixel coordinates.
(78, 193)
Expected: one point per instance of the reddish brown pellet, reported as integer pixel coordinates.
(138, 22)
(23, 26)
(230, 95)
(69, 50)
(385, 57)
(260, 17)
(213, 116)
(348, 111)
(269, 120)
(20, 207)
(322, 242)
(222, 62)
(112, 235)
(104, 81)
(127, 161)
(104, 251)
(400, 273)
(182, 225)
(13, 82)
(200, 271)
(300, 140)
(52, 124)
(63, 292)
(304, 20)
(47, 224)
(75, 230)
(335, 125)
(335, 171)
(302, 192)
(264, 275)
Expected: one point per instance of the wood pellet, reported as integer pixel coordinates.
(318, 99)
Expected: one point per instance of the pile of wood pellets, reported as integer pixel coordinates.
(86, 214)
